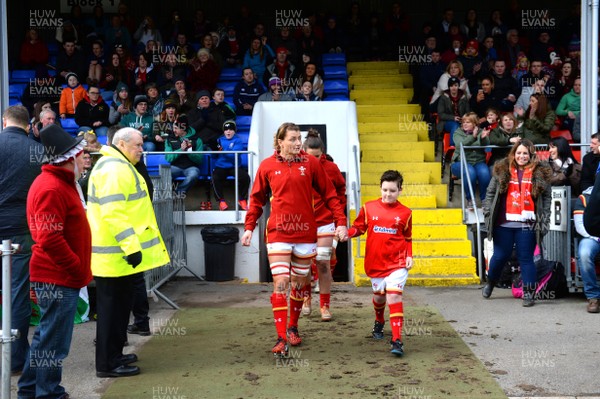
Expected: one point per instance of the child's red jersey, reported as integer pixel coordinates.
(389, 236)
(322, 213)
(291, 184)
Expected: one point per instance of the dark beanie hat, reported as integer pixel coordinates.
(229, 125)
(139, 99)
(202, 93)
(68, 75)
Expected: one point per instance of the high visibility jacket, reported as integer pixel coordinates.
(121, 218)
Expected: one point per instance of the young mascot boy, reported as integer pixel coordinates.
(388, 255)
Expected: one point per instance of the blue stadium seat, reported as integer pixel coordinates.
(243, 121)
(244, 137)
(22, 75)
(335, 72)
(333, 59)
(227, 87)
(336, 97)
(153, 162)
(52, 72)
(69, 125)
(13, 101)
(336, 86)
(231, 74)
(52, 48)
(16, 89)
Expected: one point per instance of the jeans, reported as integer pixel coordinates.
(479, 172)
(21, 304)
(51, 341)
(504, 240)
(149, 146)
(450, 127)
(586, 253)
(191, 175)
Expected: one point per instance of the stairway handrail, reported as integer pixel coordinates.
(356, 190)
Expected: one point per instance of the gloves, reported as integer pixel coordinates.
(134, 259)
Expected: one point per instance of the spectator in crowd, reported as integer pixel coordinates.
(34, 52)
(208, 118)
(588, 249)
(97, 23)
(200, 25)
(544, 49)
(590, 162)
(507, 134)
(183, 164)
(306, 92)
(471, 28)
(275, 92)
(453, 50)
(538, 120)
(566, 78)
(92, 112)
(44, 115)
(155, 99)
(198, 116)
(451, 106)
(565, 168)
(144, 73)
(470, 134)
(257, 55)
(224, 166)
(486, 98)
(142, 121)
(495, 27)
(170, 69)
(172, 29)
(429, 75)
(68, 32)
(290, 248)
(70, 96)
(454, 69)
(522, 67)
(91, 140)
(442, 28)
(147, 30)
(231, 48)
(183, 97)
(204, 72)
(163, 124)
(114, 176)
(96, 63)
(60, 261)
(121, 105)
(472, 63)
(281, 68)
(506, 87)
(117, 33)
(388, 254)
(85, 172)
(334, 40)
(309, 42)
(246, 93)
(287, 41)
(488, 54)
(310, 74)
(220, 106)
(569, 106)
(535, 72)
(509, 52)
(20, 164)
(517, 212)
(523, 101)
(114, 73)
(210, 43)
(70, 60)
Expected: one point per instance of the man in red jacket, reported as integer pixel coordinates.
(60, 260)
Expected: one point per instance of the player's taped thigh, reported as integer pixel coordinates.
(300, 269)
(324, 253)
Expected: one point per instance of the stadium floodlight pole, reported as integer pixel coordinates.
(3, 58)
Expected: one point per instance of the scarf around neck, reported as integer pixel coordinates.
(519, 203)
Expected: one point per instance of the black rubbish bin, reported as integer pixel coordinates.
(219, 252)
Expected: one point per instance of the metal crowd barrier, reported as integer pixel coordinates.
(8, 335)
(170, 215)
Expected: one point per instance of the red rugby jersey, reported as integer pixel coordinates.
(389, 236)
(322, 213)
(291, 185)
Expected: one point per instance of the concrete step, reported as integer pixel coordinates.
(404, 79)
(361, 280)
(414, 177)
(429, 201)
(440, 191)
(432, 266)
(381, 100)
(379, 137)
(401, 123)
(414, 155)
(377, 86)
(429, 248)
(390, 109)
(434, 233)
(381, 93)
(379, 167)
(393, 145)
(438, 217)
(377, 65)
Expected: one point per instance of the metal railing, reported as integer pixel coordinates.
(250, 154)
(8, 334)
(356, 193)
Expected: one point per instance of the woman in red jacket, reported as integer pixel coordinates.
(288, 178)
(34, 52)
(325, 260)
